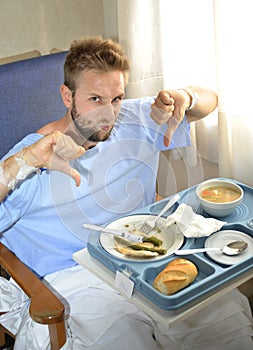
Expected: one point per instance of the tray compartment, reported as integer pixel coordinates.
(182, 297)
(200, 243)
(241, 214)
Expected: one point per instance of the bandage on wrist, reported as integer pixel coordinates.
(23, 172)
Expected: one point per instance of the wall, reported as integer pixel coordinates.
(27, 25)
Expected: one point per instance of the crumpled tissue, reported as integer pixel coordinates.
(192, 224)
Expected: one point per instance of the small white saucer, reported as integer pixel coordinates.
(221, 238)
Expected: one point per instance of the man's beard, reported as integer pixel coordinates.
(90, 134)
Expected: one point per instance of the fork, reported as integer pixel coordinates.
(150, 223)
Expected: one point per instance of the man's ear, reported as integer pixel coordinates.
(66, 95)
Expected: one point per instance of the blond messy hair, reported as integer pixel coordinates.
(96, 54)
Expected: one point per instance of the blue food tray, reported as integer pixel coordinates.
(212, 275)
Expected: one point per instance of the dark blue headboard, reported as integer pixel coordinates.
(29, 97)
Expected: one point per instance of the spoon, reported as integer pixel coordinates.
(232, 248)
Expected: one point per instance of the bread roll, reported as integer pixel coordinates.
(178, 274)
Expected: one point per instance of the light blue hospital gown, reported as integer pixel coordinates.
(41, 222)
(43, 217)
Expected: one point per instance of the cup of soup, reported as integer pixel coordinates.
(219, 197)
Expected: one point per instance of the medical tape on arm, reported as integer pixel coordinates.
(23, 172)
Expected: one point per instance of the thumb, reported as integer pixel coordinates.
(173, 123)
(167, 137)
(75, 176)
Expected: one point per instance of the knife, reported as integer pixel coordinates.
(130, 236)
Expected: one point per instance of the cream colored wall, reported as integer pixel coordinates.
(27, 25)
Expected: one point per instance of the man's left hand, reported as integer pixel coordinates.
(169, 107)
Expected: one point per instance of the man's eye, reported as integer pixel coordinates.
(95, 99)
(117, 99)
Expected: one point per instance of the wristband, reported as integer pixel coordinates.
(194, 97)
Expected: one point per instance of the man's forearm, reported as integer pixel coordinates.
(206, 103)
(13, 170)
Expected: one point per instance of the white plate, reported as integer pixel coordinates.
(221, 238)
(172, 240)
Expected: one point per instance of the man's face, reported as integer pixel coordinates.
(96, 104)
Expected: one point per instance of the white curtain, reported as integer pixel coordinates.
(188, 51)
(136, 25)
(234, 27)
(174, 43)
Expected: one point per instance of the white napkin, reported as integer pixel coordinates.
(191, 224)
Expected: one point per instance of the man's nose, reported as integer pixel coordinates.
(109, 113)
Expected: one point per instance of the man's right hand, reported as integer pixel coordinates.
(54, 151)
